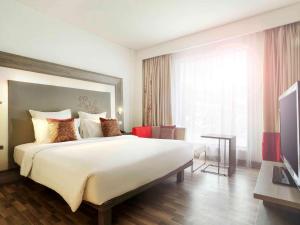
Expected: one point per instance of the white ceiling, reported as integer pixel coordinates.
(139, 24)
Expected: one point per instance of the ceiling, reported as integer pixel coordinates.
(138, 24)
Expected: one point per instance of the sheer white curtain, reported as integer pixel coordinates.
(218, 89)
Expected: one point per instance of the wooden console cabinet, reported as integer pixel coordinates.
(279, 205)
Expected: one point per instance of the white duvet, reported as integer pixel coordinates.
(97, 170)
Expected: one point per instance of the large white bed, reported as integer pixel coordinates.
(99, 169)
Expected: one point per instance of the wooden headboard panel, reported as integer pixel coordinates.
(23, 96)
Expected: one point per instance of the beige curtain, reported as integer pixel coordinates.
(157, 91)
(281, 70)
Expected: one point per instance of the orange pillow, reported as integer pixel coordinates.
(110, 127)
(61, 130)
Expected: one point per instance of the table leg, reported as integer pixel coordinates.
(225, 146)
(219, 156)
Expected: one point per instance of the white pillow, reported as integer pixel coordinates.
(90, 124)
(90, 128)
(91, 116)
(41, 130)
(40, 127)
(65, 114)
(77, 126)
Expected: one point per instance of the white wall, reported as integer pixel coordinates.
(26, 32)
(250, 25)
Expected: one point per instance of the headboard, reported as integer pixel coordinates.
(23, 96)
(18, 118)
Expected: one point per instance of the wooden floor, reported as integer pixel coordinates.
(201, 199)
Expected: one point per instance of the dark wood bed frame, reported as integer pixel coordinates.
(105, 210)
(29, 64)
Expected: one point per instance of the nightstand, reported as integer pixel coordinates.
(125, 133)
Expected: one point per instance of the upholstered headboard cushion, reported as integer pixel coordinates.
(24, 96)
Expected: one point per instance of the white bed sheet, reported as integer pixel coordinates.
(99, 169)
(20, 150)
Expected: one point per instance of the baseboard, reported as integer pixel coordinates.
(10, 176)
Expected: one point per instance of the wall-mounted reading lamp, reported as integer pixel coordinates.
(120, 111)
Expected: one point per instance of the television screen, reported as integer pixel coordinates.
(288, 129)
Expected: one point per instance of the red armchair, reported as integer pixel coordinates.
(154, 132)
(145, 132)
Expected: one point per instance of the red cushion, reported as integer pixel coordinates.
(145, 132)
(167, 132)
(271, 146)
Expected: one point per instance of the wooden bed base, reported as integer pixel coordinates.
(104, 210)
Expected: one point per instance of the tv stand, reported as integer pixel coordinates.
(280, 204)
(282, 177)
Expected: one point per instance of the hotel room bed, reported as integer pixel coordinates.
(102, 172)
(99, 169)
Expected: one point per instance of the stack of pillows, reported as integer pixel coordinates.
(53, 127)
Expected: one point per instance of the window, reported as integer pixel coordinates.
(211, 88)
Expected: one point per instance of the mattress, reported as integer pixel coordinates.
(20, 150)
(99, 169)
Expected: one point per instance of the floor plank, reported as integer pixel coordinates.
(200, 199)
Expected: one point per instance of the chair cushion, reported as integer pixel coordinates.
(167, 132)
(145, 132)
(156, 132)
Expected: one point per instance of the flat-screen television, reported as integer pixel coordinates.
(290, 131)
